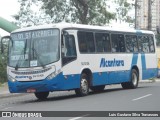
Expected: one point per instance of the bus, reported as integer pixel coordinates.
(64, 56)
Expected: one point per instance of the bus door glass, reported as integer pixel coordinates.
(68, 48)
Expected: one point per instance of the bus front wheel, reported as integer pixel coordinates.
(133, 82)
(84, 86)
(41, 95)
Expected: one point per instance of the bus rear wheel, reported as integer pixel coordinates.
(84, 86)
(133, 82)
(97, 88)
(42, 95)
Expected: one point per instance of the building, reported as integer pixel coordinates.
(148, 14)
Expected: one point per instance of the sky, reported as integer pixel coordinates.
(7, 9)
(11, 7)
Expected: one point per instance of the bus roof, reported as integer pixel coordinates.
(81, 26)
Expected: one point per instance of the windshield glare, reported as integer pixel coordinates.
(34, 48)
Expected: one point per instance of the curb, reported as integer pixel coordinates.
(7, 95)
(149, 81)
(4, 92)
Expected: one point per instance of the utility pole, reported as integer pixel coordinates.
(149, 15)
(136, 7)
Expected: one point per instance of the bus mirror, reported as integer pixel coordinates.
(4, 43)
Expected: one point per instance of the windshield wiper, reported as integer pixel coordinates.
(39, 60)
(25, 48)
(17, 65)
(16, 68)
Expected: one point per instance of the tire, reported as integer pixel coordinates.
(42, 95)
(97, 88)
(84, 86)
(133, 82)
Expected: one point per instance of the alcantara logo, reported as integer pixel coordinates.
(111, 63)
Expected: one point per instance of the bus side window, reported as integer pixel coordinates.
(131, 43)
(151, 44)
(102, 42)
(86, 42)
(121, 43)
(118, 43)
(143, 44)
(115, 45)
(139, 44)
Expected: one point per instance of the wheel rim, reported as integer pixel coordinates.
(84, 86)
(134, 79)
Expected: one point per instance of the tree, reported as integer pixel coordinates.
(3, 63)
(78, 11)
(29, 14)
(122, 10)
(54, 11)
(3, 71)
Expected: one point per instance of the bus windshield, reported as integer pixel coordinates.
(34, 48)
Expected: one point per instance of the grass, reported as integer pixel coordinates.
(153, 79)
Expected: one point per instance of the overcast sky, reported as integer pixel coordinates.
(7, 9)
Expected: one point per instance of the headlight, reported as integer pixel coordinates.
(10, 78)
(51, 76)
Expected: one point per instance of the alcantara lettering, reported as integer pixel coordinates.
(111, 63)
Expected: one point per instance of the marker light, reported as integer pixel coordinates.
(10, 78)
(51, 76)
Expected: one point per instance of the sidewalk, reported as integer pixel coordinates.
(4, 91)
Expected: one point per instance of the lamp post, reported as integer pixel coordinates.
(149, 15)
(136, 6)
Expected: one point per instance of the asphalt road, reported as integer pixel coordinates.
(145, 98)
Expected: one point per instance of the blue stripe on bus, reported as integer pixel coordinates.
(73, 81)
(134, 59)
(138, 32)
(143, 61)
(144, 71)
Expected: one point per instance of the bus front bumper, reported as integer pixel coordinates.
(56, 84)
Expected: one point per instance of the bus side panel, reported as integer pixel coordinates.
(70, 81)
(149, 66)
(100, 78)
(111, 77)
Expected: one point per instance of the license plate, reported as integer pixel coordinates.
(31, 90)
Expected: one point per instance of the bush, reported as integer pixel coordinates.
(3, 71)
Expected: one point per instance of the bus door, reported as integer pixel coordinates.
(68, 48)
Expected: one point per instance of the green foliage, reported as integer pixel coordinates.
(3, 64)
(122, 11)
(29, 14)
(54, 11)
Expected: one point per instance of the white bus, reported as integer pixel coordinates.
(63, 56)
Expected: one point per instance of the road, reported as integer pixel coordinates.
(145, 98)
